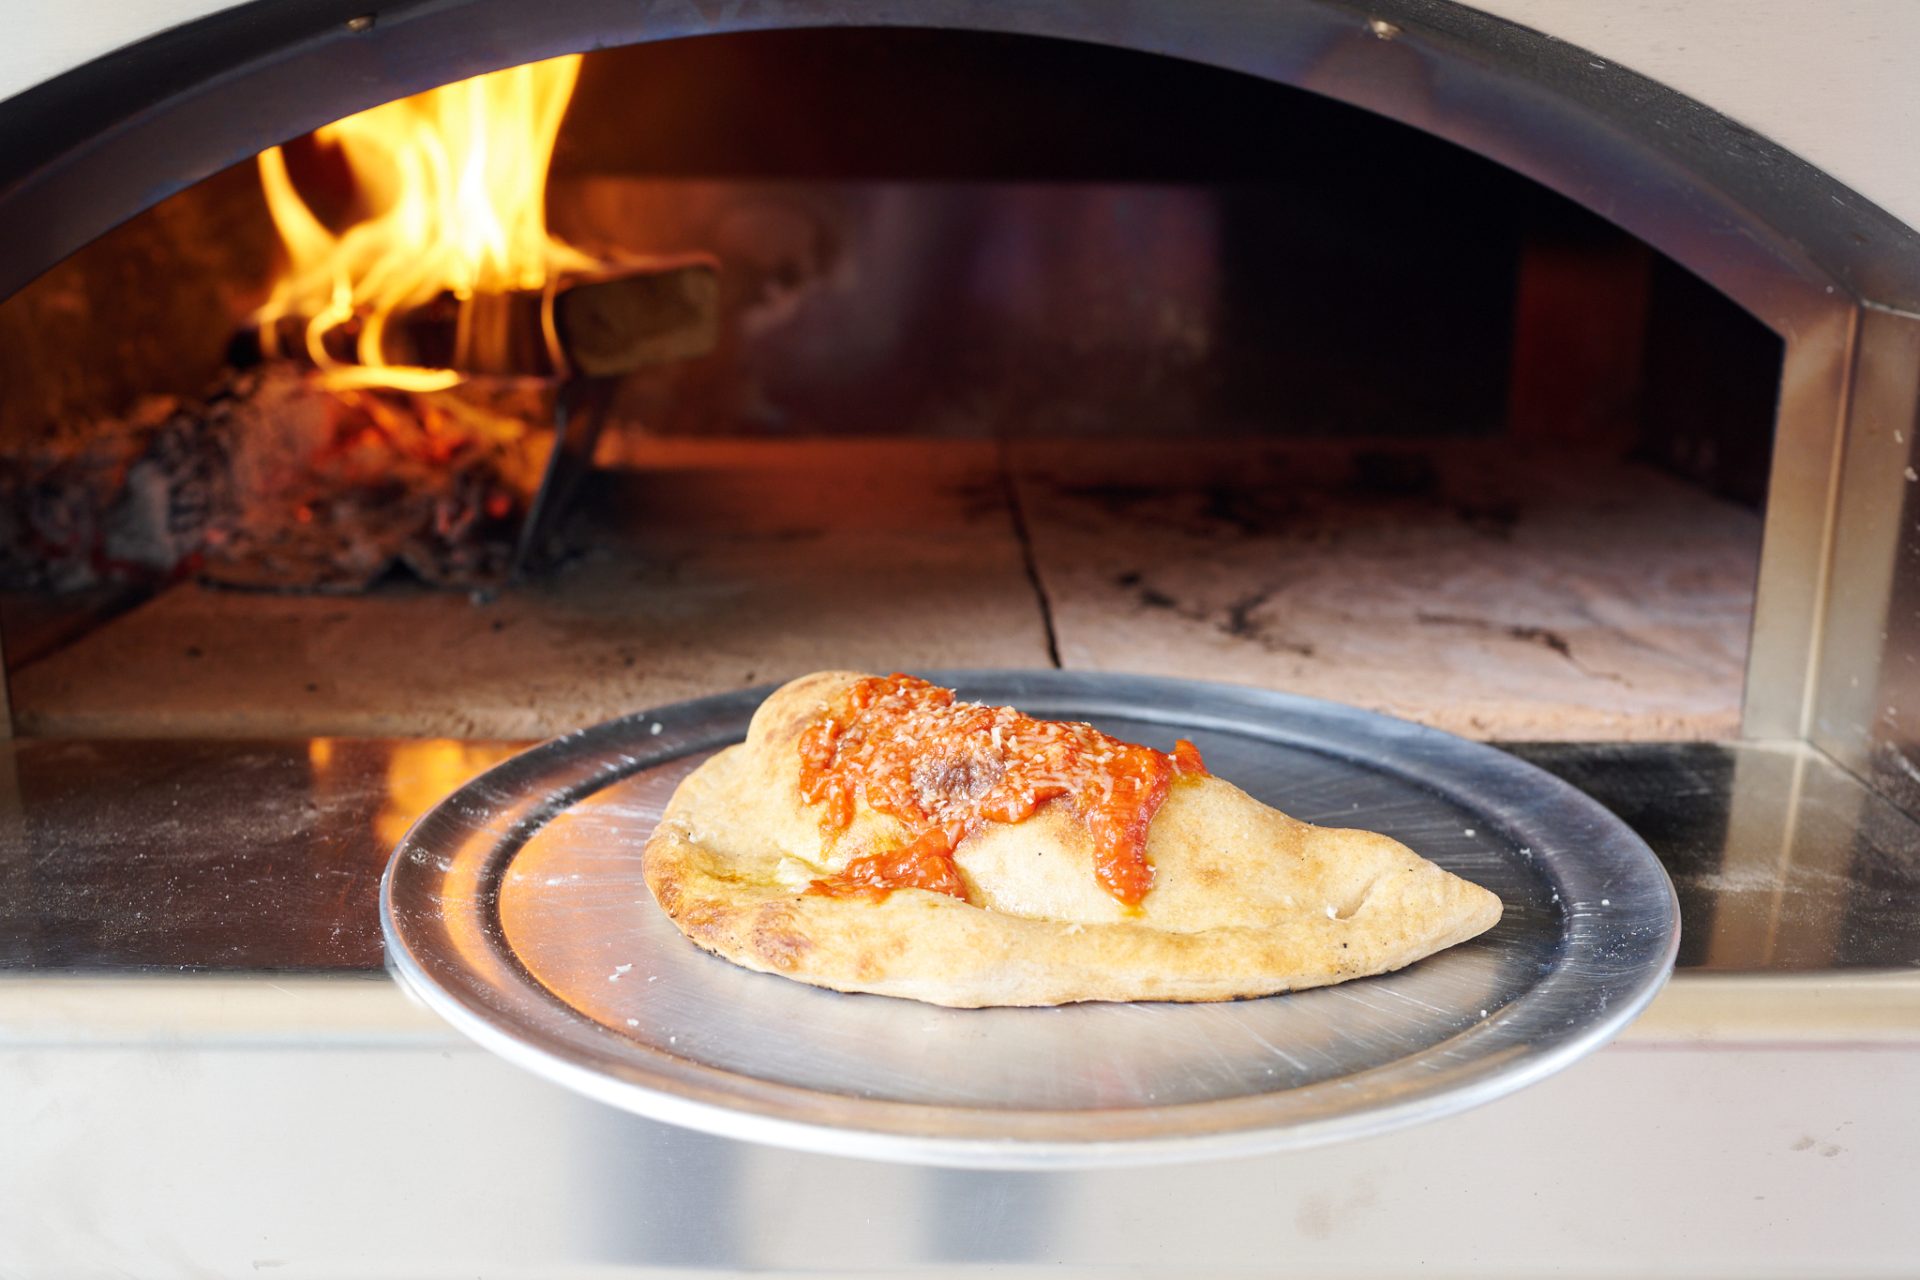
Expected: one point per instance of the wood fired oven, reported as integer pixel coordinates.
(1397, 355)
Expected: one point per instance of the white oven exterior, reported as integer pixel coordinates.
(307, 1126)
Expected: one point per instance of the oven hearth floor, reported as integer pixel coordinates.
(1472, 587)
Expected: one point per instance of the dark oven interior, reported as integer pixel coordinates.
(1020, 352)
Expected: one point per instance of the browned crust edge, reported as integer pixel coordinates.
(930, 947)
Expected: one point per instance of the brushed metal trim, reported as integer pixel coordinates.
(112, 137)
(1867, 706)
(1803, 494)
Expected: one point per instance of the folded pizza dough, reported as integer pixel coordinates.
(1245, 901)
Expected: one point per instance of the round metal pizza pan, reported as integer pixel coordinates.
(517, 910)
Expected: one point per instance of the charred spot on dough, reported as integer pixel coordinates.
(940, 777)
(707, 919)
(776, 938)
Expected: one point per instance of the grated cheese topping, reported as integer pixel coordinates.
(945, 768)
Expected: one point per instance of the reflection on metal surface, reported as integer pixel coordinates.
(1782, 860)
(1867, 710)
(207, 855)
(420, 774)
(1777, 800)
(246, 856)
(1791, 594)
(517, 910)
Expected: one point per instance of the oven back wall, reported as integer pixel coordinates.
(1035, 235)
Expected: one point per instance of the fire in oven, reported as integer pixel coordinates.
(393, 396)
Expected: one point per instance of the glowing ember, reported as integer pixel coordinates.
(453, 182)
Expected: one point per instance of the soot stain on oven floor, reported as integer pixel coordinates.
(1546, 637)
(1416, 585)
(1237, 620)
(1318, 509)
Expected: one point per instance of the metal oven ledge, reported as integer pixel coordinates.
(249, 856)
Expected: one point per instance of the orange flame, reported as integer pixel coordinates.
(454, 181)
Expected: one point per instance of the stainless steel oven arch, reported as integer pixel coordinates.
(1809, 257)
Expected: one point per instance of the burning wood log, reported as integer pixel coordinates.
(419, 320)
(617, 325)
(599, 325)
(470, 512)
(279, 481)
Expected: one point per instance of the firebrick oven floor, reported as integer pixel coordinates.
(1476, 588)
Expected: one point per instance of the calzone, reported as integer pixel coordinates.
(879, 834)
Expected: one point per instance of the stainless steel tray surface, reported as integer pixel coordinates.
(516, 908)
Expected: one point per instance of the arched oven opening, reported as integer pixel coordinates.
(1403, 358)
